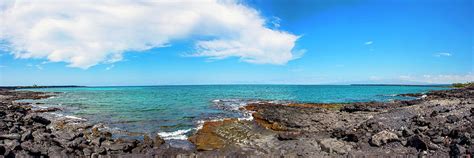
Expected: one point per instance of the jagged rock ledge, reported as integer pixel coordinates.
(25, 132)
(439, 124)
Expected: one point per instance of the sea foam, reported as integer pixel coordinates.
(179, 134)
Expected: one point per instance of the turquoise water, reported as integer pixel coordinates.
(167, 109)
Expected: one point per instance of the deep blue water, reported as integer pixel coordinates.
(156, 109)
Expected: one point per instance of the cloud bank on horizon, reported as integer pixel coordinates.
(87, 33)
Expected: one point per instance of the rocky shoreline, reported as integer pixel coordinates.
(438, 123)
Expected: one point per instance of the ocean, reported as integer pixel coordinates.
(175, 112)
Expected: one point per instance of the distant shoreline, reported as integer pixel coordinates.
(31, 87)
(412, 85)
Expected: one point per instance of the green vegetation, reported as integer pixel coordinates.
(462, 85)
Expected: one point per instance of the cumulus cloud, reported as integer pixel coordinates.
(84, 33)
(368, 42)
(443, 54)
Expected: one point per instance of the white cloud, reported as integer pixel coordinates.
(368, 42)
(84, 33)
(443, 54)
(442, 79)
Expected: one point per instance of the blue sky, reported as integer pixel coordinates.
(331, 42)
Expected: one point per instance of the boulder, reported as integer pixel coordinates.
(452, 119)
(456, 150)
(30, 147)
(100, 150)
(147, 141)
(66, 135)
(158, 141)
(87, 152)
(41, 120)
(419, 142)
(332, 145)
(12, 144)
(97, 141)
(383, 137)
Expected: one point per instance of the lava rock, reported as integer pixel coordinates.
(14, 136)
(26, 136)
(332, 145)
(288, 136)
(383, 137)
(418, 142)
(452, 119)
(158, 141)
(41, 120)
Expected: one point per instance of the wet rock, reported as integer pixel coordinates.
(452, 119)
(15, 136)
(383, 137)
(181, 144)
(332, 145)
(206, 138)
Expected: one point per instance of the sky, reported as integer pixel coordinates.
(128, 42)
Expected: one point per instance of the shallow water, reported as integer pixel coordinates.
(174, 111)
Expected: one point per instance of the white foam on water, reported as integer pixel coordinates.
(68, 116)
(74, 117)
(179, 134)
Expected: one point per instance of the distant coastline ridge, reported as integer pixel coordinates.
(416, 85)
(34, 86)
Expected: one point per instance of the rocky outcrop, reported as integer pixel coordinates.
(436, 125)
(383, 137)
(25, 132)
